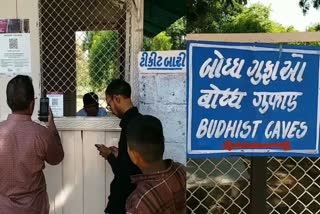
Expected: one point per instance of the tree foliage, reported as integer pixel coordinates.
(82, 68)
(177, 32)
(208, 16)
(254, 19)
(160, 42)
(314, 28)
(173, 38)
(103, 48)
(307, 4)
(203, 16)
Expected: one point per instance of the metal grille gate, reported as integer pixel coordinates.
(84, 44)
(222, 185)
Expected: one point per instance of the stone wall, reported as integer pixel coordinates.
(164, 96)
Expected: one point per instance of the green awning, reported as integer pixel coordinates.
(160, 14)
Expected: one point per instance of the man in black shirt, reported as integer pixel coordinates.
(118, 97)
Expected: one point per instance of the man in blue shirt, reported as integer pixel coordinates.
(91, 106)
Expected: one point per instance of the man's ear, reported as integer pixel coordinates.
(117, 99)
(31, 106)
(135, 157)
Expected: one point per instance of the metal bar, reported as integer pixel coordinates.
(258, 195)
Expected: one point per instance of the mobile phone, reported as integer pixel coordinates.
(44, 109)
(98, 145)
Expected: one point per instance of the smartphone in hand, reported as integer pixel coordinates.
(103, 150)
(98, 145)
(44, 109)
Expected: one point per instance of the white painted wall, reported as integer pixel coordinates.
(22, 9)
(136, 42)
(164, 96)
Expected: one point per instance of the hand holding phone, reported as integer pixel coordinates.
(98, 145)
(44, 109)
(114, 150)
(103, 150)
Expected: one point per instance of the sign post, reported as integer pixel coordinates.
(252, 99)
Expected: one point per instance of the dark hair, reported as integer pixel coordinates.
(90, 98)
(20, 93)
(145, 135)
(119, 87)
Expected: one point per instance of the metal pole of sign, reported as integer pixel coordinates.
(258, 195)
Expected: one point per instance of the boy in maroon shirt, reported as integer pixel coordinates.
(162, 186)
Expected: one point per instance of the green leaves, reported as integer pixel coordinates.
(306, 4)
(104, 62)
(171, 39)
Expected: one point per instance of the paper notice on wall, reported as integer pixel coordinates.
(56, 103)
(15, 52)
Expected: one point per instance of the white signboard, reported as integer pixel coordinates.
(56, 103)
(15, 57)
(162, 61)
